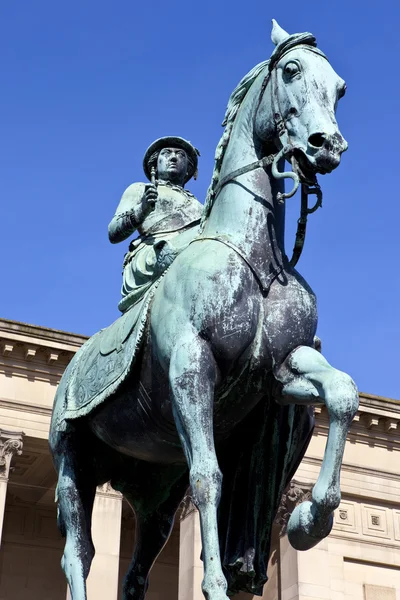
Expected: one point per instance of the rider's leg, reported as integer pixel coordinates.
(307, 378)
(192, 381)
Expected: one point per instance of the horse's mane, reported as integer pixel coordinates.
(234, 103)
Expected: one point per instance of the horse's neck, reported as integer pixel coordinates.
(246, 210)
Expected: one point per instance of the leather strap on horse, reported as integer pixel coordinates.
(258, 276)
(258, 164)
(306, 191)
(286, 149)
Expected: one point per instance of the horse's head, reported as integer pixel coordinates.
(297, 104)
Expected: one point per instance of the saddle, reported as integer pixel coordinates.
(103, 363)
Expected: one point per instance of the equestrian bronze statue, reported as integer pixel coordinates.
(209, 376)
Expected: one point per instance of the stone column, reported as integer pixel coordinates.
(10, 444)
(102, 582)
(289, 570)
(288, 557)
(190, 565)
(283, 569)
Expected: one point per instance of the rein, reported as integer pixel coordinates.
(286, 150)
(258, 164)
(265, 282)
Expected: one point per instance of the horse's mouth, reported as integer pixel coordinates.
(307, 167)
(304, 168)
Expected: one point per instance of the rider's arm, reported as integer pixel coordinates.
(129, 214)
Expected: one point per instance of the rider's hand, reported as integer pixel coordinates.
(149, 198)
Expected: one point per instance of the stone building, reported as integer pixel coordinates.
(359, 561)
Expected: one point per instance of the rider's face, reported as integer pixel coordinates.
(172, 165)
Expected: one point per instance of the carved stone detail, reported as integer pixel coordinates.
(295, 494)
(186, 506)
(391, 425)
(377, 521)
(7, 349)
(30, 353)
(10, 443)
(52, 357)
(371, 421)
(107, 490)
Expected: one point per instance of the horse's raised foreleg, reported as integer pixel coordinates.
(192, 380)
(308, 378)
(75, 493)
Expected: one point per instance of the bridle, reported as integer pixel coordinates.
(286, 151)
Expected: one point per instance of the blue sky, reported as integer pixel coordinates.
(86, 86)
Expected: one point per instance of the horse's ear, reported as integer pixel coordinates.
(278, 34)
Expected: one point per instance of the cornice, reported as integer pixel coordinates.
(33, 351)
(56, 336)
(43, 332)
(377, 418)
(374, 402)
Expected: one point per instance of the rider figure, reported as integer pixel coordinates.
(159, 211)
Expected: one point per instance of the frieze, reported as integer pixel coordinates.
(368, 523)
(346, 517)
(377, 521)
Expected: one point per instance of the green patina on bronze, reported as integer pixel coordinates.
(159, 212)
(208, 377)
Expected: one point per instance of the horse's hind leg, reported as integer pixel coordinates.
(308, 378)
(155, 499)
(75, 493)
(192, 380)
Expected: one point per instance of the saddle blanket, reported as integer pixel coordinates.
(105, 360)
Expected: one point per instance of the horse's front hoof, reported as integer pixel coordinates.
(304, 530)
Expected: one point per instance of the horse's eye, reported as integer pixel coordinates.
(291, 69)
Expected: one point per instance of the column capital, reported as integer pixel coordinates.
(106, 489)
(294, 494)
(11, 443)
(186, 507)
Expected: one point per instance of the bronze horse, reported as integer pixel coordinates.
(222, 387)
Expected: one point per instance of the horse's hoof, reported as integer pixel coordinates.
(304, 530)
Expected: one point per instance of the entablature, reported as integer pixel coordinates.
(36, 351)
(377, 420)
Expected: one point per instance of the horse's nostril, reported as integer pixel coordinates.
(317, 140)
